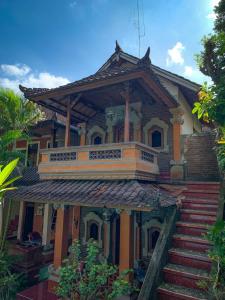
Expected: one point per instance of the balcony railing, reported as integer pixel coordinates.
(108, 161)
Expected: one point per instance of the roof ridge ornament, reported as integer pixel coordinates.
(145, 60)
(118, 48)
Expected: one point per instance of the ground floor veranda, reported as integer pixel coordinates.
(123, 217)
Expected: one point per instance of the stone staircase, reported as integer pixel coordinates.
(188, 261)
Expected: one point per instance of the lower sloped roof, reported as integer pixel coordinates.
(132, 194)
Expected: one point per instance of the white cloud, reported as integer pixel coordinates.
(212, 14)
(188, 71)
(15, 70)
(29, 79)
(195, 75)
(214, 3)
(175, 55)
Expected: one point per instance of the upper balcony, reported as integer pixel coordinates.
(129, 160)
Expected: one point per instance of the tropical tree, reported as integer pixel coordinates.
(17, 116)
(17, 113)
(4, 187)
(211, 62)
(8, 281)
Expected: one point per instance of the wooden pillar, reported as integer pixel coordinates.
(68, 122)
(126, 242)
(21, 219)
(177, 121)
(61, 236)
(76, 223)
(46, 235)
(82, 134)
(127, 118)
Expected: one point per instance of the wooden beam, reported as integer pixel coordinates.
(88, 86)
(64, 105)
(75, 100)
(59, 111)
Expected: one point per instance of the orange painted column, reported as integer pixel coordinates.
(68, 121)
(126, 242)
(76, 223)
(61, 236)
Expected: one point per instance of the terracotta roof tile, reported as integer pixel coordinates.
(99, 193)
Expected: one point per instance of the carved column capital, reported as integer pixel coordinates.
(177, 113)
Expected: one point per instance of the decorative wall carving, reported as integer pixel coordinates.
(97, 131)
(159, 123)
(92, 217)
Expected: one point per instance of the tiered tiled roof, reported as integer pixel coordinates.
(97, 193)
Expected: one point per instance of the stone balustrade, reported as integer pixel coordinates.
(107, 161)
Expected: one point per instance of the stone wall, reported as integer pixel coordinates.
(200, 156)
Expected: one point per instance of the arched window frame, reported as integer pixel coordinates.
(163, 126)
(89, 219)
(150, 225)
(149, 238)
(94, 136)
(153, 129)
(95, 131)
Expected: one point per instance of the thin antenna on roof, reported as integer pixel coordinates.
(140, 10)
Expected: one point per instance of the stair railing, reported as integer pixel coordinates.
(159, 258)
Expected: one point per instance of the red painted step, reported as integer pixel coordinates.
(173, 292)
(194, 229)
(199, 206)
(200, 187)
(184, 276)
(189, 215)
(202, 194)
(200, 200)
(189, 258)
(190, 242)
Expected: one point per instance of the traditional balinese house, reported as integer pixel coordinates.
(121, 180)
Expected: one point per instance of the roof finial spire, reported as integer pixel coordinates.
(145, 60)
(118, 48)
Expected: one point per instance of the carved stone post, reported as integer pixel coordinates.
(82, 134)
(107, 230)
(177, 166)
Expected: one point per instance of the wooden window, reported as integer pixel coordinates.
(93, 231)
(97, 140)
(156, 137)
(153, 235)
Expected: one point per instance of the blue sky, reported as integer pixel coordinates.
(49, 43)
